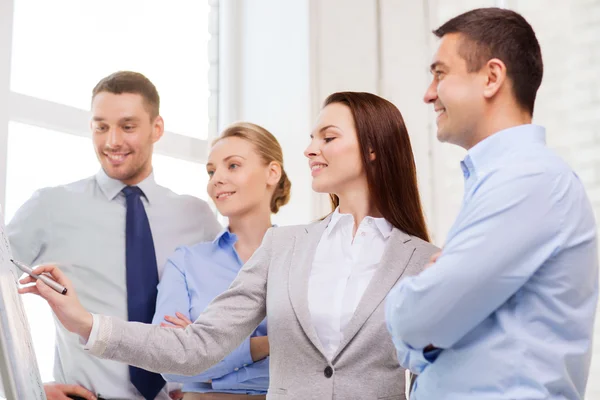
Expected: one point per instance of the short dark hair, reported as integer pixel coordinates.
(392, 175)
(131, 82)
(506, 35)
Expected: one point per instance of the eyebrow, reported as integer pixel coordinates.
(225, 159)
(323, 129)
(129, 119)
(437, 64)
(126, 119)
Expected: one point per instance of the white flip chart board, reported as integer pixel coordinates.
(18, 365)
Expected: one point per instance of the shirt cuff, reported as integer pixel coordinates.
(410, 358)
(229, 381)
(240, 357)
(93, 334)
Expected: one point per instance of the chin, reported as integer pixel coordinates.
(116, 173)
(443, 136)
(232, 210)
(439, 133)
(120, 173)
(319, 187)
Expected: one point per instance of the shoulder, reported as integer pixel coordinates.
(531, 167)
(421, 252)
(540, 184)
(81, 185)
(182, 202)
(197, 250)
(290, 231)
(167, 194)
(190, 255)
(423, 248)
(58, 193)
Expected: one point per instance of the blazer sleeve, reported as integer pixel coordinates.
(227, 321)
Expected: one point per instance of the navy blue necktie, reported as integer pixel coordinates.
(142, 279)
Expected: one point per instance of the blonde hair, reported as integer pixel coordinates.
(269, 149)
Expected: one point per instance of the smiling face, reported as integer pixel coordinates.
(124, 134)
(334, 152)
(455, 93)
(240, 181)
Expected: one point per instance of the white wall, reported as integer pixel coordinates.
(274, 86)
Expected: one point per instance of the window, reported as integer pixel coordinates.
(61, 58)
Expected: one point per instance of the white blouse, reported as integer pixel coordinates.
(341, 272)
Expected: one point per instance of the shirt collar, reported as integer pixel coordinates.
(225, 238)
(383, 225)
(112, 187)
(336, 216)
(499, 145)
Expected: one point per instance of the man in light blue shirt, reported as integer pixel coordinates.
(193, 277)
(507, 310)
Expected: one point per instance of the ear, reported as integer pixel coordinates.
(274, 173)
(495, 76)
(158, 129)
(372, 155)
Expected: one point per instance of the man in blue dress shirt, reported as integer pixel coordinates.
(507, 310)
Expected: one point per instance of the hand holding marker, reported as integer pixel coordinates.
(46, 279)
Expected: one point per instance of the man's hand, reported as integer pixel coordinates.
(433, 259)
(57, 391)
(259, 347)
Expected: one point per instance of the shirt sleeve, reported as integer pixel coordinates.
(173, 296)
(251, 377)
(26, 230)
(408, 357)
(503, 235)
(236, 360)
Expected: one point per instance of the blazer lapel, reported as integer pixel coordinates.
(303, 255)
(391, 267)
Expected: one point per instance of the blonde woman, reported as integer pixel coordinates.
(247, 183)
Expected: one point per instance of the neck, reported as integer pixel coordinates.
(250, 229)
(359, 205)
(504, 118)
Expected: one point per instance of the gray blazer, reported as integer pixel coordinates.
(273, 284)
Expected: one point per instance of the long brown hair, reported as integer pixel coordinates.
(391, 176)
